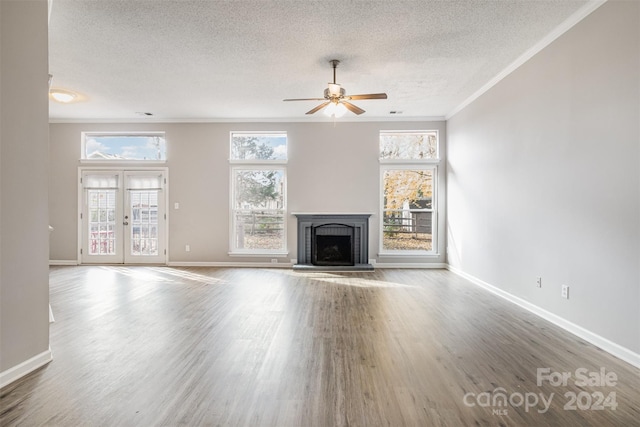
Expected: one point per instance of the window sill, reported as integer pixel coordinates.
(123, 162)
(258, 162)
(409, 161)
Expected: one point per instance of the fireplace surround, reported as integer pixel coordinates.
(329, 241)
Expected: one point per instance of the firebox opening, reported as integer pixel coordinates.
(333, 249)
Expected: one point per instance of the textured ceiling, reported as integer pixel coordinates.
(237, 60)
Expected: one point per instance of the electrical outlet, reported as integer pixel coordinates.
(187, 248)
(565, 291)
(539, 282)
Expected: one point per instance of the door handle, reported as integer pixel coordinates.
(125, 223)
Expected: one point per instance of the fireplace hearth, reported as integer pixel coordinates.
(333, 242)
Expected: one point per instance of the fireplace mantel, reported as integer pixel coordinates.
(307, 221)
(348, 214)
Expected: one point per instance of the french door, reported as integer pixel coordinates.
(123, 217)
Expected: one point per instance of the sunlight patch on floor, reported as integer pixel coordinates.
(361, 283)
(189, 275)
(339, 279)
(138, 273)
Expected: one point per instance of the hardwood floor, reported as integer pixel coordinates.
(160, 346)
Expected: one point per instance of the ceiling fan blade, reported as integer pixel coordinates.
(319, 107)
(353, 108)
(368, 96)
(304, 99)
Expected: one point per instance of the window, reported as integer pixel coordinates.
(259, 146)
(124, 146)
(408, 169)
(258, 193)
(414, 146)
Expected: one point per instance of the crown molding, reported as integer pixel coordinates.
(569, 23)
(246, 120)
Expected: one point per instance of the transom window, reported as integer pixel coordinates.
(408, 175)
(413, 146)
(258, 193)
(124, 146)
(258, 147)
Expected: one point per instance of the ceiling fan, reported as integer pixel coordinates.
(335, 99)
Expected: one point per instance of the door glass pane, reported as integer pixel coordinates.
(143, 217)
(101, 221)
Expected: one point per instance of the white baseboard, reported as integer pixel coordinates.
(24, 368)
(231, 264)
(410, 265)
(609, 346)
(291, 264)
(273, 264)
(63, 262)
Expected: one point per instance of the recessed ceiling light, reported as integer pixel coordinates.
(61, 95)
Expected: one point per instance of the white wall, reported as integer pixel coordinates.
(24, 246)
(543, 178)
(331, 168)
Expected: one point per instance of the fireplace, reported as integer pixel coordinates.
(333, 242)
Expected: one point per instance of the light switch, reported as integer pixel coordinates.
(176, 205)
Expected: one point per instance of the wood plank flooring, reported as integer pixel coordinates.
(161, 346)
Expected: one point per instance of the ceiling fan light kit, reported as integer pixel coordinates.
(336, 100)
(335, 109)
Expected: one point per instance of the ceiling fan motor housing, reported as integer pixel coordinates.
(334, 92)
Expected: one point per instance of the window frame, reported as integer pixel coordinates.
(257, 164)
(89, 134)
(432, 165)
